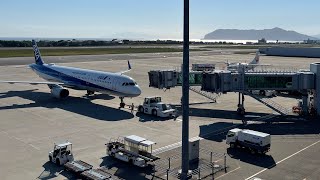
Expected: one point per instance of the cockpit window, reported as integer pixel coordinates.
(129, 84)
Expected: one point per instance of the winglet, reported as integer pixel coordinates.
(129, 65)
(37, 55)
(129, 69)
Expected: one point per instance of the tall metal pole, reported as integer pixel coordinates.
(185, 94)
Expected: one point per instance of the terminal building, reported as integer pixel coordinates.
(223, 81)
(291, 52)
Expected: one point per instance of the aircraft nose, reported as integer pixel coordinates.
(137, 91)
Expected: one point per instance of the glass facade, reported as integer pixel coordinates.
(194, 78)
(272, 82)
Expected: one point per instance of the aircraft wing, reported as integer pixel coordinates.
(249, 65)
(259, 64)
(32, 82)
(233, 66)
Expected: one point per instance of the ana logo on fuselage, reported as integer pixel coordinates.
(36, 52)
(103, 77)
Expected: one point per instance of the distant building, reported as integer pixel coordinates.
(125, 41)
(262, 41)
(309, 41)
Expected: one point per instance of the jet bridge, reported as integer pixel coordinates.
(222, 81)
(226, 81)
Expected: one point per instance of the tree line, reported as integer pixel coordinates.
(78, 43)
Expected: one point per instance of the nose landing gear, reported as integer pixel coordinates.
(89, 92)
(122, 104)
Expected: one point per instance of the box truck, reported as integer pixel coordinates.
(256, 142)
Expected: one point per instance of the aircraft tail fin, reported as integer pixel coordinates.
(37, 55)
(256, 59)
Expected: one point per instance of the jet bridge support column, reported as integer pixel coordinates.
(305, 103)
(241, 109)
(315, 68)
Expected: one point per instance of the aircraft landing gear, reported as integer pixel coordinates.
(241, 111)
(122, 104)
(89, 92)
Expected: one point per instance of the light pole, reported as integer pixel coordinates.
(185, 94)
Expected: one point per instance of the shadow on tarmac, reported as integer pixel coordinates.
(288, 128)
(78, 105)
(265, 161)
(146, 117)
(125, 170)
(310, 127)
(217, 131)
(223, 114)
(50, 171)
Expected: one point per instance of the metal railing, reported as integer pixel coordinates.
(204, 94)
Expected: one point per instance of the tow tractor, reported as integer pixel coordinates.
(132, 149)
(154, 106)
(61, 154)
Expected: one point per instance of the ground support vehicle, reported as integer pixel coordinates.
(77, 167)
(97, 174)
(267, 93)
(61, 153)
(154, 106)
(256, 142)
(132, 149)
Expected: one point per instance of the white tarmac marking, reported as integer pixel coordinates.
(227, 173)
(282, 160)
(13, 137)
(167, 148)
(35, 147)
(179, 120)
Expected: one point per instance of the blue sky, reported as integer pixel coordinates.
(151, 18)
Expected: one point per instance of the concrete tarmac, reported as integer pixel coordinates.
(32, 120)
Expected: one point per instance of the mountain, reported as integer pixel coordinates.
(252, 34)
(317, 36)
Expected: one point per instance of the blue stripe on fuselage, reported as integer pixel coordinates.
(68, 80)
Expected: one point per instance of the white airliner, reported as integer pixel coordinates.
(61, 77)
(247, 66)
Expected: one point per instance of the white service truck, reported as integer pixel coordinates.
(256, 142)
(154, 106)
(132, 149)
(267, 93)
(61, 153)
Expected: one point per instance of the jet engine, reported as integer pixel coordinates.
(59, 92)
